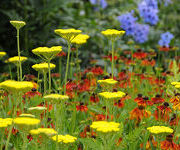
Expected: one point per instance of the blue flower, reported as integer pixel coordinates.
(102, 3)
(152, 3)
(148, 12)
(165, 39)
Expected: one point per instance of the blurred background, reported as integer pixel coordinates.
(150, 19)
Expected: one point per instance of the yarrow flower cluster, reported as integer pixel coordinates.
(176, 84)
(112, 95)
(80, 39)
(18, 24)
(64, 138)
(148, 10)
(15, 59)
(107, 82)
(159, 129)
(5, 122)
(43, 131)
(104, 126)
(102, 3)
(2, 54)
(165, 39)
(56, 97)
(43, 67)
(113, 34)
(16, 86)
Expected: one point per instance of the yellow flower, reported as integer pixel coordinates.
(112, 95)
(107, 82)
(5, 122)
(16, 86)
(64, 138)
(68, 34)
(80, 39)
(37, 109)
(15, 59)
(56, 97)
(18, 24)
(43, 67)
(159, 129)
(47, 53)
(43, 131)
(2, 54)
(27, 115)
(113, 34)
(104, 126)
(175, 83)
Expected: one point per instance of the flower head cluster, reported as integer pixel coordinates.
(165, 39)
(112, 95)
(56, 97)
(80, 39)
(5, 122)
(148, 11)
(104, 126)
(113, 34)
(43, 131)
(102, 3)
(18, 24)
(127, 22)
(159, 129)
(176, 84)
(107, 82)
(15, 59)
(67, 34)
(16, 86)
(37, 109)
(2, 54)
(43, 67)
(27, 115)
(47, 53)
(64, 138)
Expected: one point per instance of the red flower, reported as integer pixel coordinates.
(119, 104)
(148, 62)
(87, 132)
(55, 75)
(164, 48)
(174, 120)
(61, 54)
(139, 54)
(162, 112)
(168, 144)
(31, 94)
(82, 107)
(157, 99)
(145, 101)
(94, 98)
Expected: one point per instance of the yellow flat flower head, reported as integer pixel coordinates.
(16, 86)
(104, 126)
(107, 82)
(5, 122)
(27, 115)
(175, 83)
(43, 131)
(113, 34)
(67, 34)
(112, 95)
(18, 24)
(15, 59)
(37, 109)
(80, 39)
(56, 97)
(64, 138)
(160, 129)
(2, 54)
(47, 53)
(43, 67)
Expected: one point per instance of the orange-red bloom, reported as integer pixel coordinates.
(157, 99)
(168, 144)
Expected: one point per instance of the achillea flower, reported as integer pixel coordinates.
(18, 24)
(104, 126)
(64, 138)
(112, 95)
(15, 59)
(113, 34)
(16, 86)
(2, 54)
(157, 99)
(47, 53)
(68, 34)
(43, 67)
(80, 39)
(27, 115)
(107, 82)
(139, 113)
(162, 112)
(43, 131)
(5, 122)
(159, 129)
(168, 144)
(56, 97)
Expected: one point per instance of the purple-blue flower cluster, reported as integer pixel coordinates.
(148, 10)
(165, 39)
(102, 3)
(138, 31)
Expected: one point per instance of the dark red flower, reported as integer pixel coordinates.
(140, 54)
(61, 54)
(157, 99)
(168, 144)
(94, 98)
(32, 94)
(82, 107)
(119, 104)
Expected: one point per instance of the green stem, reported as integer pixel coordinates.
(112, 64)
(10, 71)
(49, 70)
(18, 46)
(24, 141)
(106, 110)
(38, 80)
(60, 70)
(67, 65)
(45, 78)
(18, 72)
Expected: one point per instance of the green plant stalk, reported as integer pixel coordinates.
(2, 139)
(112, 64)
(38, 80)
(24, 141)
(77, 64)
(106, 110)
(18, 46)
(10, 72)
(49, 70)
(67, 66)
(60, 70)
(71, 66)
(45, 78)
(18, 72)
(73, 119)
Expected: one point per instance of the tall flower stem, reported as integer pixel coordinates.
(18, 46)
(18, 72)
(112, 64)
(60, 71)
(67, 66)
(49, 70)
(45, 78)
(77, 65)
